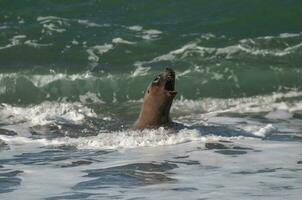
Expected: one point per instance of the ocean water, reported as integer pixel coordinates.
(72, 79)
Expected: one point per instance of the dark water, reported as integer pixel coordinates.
(72, 78)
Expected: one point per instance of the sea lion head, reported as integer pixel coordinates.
(162, 86)
(158, 99)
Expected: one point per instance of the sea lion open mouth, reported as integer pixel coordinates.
(170, 82)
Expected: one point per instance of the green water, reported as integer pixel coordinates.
(220, 48)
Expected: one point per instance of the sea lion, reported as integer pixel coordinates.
(155, 110)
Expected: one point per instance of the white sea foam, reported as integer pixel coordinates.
(65, 21)
(53, 24)
(178, 75)
(50, 18)
(151, 34)
(120, 140)
(12, 140)
(36, 44)
(274, 107)
(45, 113)
(49, 28)
(91, 24)
(188, 49)
(281, 35)
(264, 52)
(247, 46)
(21, 39)
(264, 131)
(266, 103)
(227, 52)
(289, 35)
(280, 113)
(42, 80)
(140, 71)
(96, 51)
(135, 28)
(293, 48)
(121, 41)
(75, 42)
(90, 97)
(15, 41)
(146, 34)
(133, 139)
(15, 38)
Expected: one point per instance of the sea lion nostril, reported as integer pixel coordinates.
(170, 74)
(169, 70)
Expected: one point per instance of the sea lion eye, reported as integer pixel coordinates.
(156, 80)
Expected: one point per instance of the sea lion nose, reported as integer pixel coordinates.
(169, 70)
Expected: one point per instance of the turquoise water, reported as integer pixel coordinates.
(72, 78)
